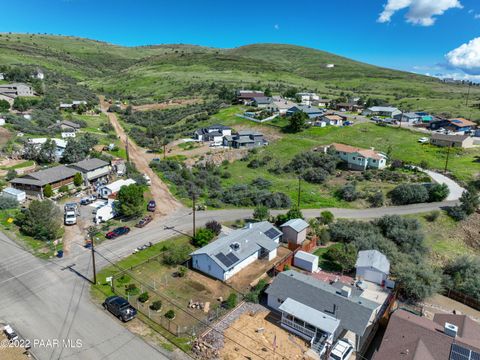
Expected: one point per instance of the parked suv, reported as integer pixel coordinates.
(342, 350)
(70, 217)
(152, 205)
(120, 307)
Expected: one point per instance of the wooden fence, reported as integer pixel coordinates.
(463, 298)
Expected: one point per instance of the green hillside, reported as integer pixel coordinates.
(160, 72)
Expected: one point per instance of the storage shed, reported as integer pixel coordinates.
(15, 194)
(372, 266)
(306, 261)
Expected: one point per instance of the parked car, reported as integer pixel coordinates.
(71, 207)
(117, 232)
(342, 350)
(120, 307)
(423, 140)
(88, 200)
(147, 179)
(70, 217)
(144, 221)
(152, 205)
(10, 333)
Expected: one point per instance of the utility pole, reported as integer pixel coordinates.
(446, 160)
(126, 149)
(299, 191)
(91, 234)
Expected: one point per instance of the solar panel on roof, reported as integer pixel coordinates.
(272, 233)
(224, 260)
(232, 257)
(459, 352)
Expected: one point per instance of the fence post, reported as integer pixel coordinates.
(149, 313)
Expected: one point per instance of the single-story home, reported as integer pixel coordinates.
(321, 102)
(16, 194)
(311, 111)
(280, 105)
(262, 101)
(388, 111)
(409, 117)
(372, 266)
(294, 231)
(306, 261)
(348, 107)
(460, 125)
(92, 170)
(333, 119)
(306, 98)
(231, 253)
(319, 311)
(112, 189)
(213, 133)
(245, 139)
(412, 337)
(247, 96)
(34, 183)
(461, 141)
(60, 145)
(16, 89)
(360, 159)
(67, 125)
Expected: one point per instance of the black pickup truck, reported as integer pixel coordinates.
(120, 307)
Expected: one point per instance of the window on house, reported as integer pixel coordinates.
(353, 158)
(374, 160)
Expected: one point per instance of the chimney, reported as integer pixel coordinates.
(346, 291)
(450, 330)
(249, 225)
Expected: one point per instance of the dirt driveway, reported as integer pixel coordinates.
(166, 203)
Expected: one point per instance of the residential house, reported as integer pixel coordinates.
(231, 253)
(67, 125)
(294, 231)
(9, 92)
(213, 133)
(247, 96)
(111, 190)
(352, 107)
(34, 183)
(408, 117)
(15, 194)
(262, 101)
(372, 266)
(321, 102)
(312, 111)
(446, 337)
(73, 105)
(332, 119)
(320, 312)
(280, 105)
(306, 98)
(93, 170)
(387, 111)
(60, 145)
(461, 141)
(360, 159)
(305, 261)
(460, 125)
(245, 139)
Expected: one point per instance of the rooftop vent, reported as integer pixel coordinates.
(450, 330)
(235, 246)
(346, 291)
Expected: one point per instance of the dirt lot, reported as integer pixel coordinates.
(260, 344)
(165, 105)
(11, 353)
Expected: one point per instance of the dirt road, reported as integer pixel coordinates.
(166, 202)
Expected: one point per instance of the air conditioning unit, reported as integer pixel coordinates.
(450, 330)
(346, 291)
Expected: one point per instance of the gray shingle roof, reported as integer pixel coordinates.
(47, 176)
(452, 138)
(306, 109)
(249, 239)
(296, 224)
(89, 164)
(373, 258)
(70, 123)
(354, 312)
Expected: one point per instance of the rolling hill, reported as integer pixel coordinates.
(159, 72)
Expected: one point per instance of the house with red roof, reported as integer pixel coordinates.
(360, 159)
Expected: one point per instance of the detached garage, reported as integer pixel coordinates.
(306, 261)
(372, 266)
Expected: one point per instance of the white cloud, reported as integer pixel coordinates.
(276, 27)
(476, 16)
(466, 57)
(420, 12)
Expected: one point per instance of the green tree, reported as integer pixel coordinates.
(4, 106)
(41, 220)
(470, 201)
(326, 217)
(203, 237)
(231, 300)
(11, 174)
(438, 192)
(177, 254)
(409, 194)
(48, 191)
(78, 179)
(417, 281)
(297, 121)
(344, 256)
(261, 213)
(268, 92)
(215, 226)
(130, 200)
(170, 314)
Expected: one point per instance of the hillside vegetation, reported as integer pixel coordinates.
(156, 73)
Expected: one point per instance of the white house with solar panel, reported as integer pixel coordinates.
(230, 254)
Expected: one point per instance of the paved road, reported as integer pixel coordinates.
(456, 190)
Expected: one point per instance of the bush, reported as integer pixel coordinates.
(324, 237)
(203, 237)
(214, 226)
(376, 199)
(405, 194)
(7, 203)
(156, 305)
(461, 274)
(48, 191)
(254, 295)
(456, 213)
(170, 314)
(286, 267)
(326, 217)
(261, 213)
(131, 289)
(438, 192)
(432, 216)
(63, 189)
(177, 254)
(11, 174)
(78, 179)
(182, 271)
(470, 201)
(231, 301)
(143, 297)
(348, 192)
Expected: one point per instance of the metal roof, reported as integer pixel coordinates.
(47, 176)
(303, 255)
(383, 109)
(241, 243)
(310, 315)
(296, 224)
(13, 191)
(373, 258)
(89, 164)
(354, 312)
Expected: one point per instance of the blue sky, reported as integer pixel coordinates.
(406, 39)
